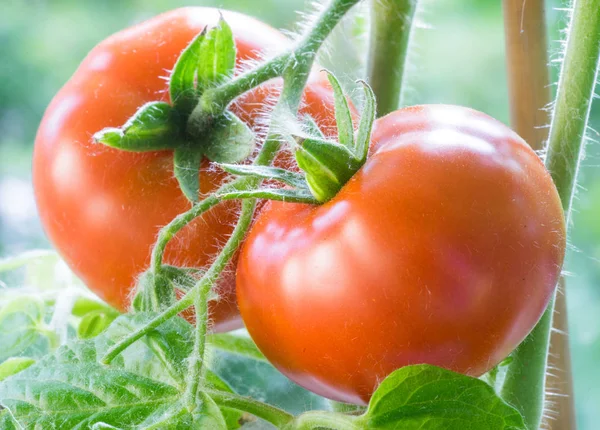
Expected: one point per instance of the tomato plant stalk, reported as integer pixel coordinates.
(202, 296)
(295, 75)
(391, 22)
(524, 384)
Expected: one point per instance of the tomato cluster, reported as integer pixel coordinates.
(444, 248)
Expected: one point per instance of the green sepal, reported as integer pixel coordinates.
(94, 323)
(217, 56)
(183, 78)
(423, 395)
(154, 127)
(229, 140)
(186, 166)
(365, 126)
(311, 127)
(288, 177)
(154, 292)
(343, 117)
(14, 365)
(206, 62)
(328, 166)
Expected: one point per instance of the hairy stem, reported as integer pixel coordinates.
(295, 70)
(214, 101)
(203, 288)
(524, 383)
(171, 229)
(391, 22)
(527, 67)
(275, 416)
(322, 420)
(295, 76)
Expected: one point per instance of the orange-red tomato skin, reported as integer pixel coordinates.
(102, 208)
(445, 249)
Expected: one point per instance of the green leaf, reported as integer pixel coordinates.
(424, 396)
(12, 263)
(241, 345)
(208, 416)
(94, 323)
(266, 172)
(65, 392)
(22, 329)
(14, 365)
(142, 388)
(85, 305)
(343, 117)
(363, 139)
(183, 79)
(161, 354)
(233, 417)
(154, 127)
(70, 388)
(187, 162)
(6, 421)
(217, 56)
(229, 140)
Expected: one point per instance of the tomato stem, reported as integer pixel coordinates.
(295, 76)
(214, 101)
(391, 22)
(275, 416)
(524, 383)
(203, 288)
(527, 68)
(205, 283)
(320, 419)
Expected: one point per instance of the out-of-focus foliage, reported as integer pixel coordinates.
(457, 56)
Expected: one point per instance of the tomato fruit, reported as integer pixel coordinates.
(101, 207)
(444, 248)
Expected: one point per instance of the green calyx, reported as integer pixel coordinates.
(206, 63)
(326, 165)
(330, 165)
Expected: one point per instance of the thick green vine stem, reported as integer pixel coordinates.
(214, 101)
(269, 413)
(391, 22)
(524, 382)
(171, 229)
(203, 288)
(322, 420)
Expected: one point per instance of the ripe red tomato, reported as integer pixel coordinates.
(102, 208)
(444, 248)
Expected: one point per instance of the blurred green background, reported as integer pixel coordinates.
(457, 56)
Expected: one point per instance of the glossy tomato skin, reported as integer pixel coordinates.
(444, 249)
(102, 208)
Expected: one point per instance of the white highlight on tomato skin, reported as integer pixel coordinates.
(100, 62)
(66, 169)
(59, 113)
